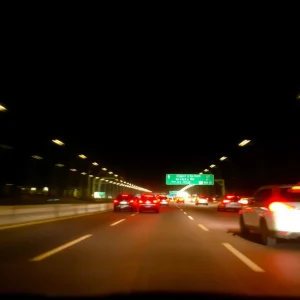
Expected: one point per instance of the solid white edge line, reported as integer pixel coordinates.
(60, 248)
(113, 224)
(253, 266)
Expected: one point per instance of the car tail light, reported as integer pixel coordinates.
(280, 207)
(141, 201)
(116, 201)
(243, 201)
(155, 201)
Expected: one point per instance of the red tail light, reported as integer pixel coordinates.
(280, 207)
(116, 201)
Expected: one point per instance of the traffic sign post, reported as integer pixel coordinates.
(187, 179)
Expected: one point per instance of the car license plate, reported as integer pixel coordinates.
(123, 202)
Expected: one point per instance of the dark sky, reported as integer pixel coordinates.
(149, 112)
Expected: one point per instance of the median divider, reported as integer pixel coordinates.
(10, 215)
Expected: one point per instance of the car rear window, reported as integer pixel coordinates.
(290, 195)
(124, 197)
(232, 197)
(148, 197)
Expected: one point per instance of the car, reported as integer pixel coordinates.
(231, 202)
(163, 200)
(215, 198)
(125, 202)
(180, 200)
(202, 200)
(273, 213)
(148, 202)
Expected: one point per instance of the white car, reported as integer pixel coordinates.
(202, 200)
(273, 212)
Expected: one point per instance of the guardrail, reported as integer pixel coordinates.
(10, 215)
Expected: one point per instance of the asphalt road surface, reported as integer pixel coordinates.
(182, 249)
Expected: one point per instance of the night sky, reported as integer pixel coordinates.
(145, 117)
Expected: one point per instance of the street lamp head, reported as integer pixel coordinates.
(58, 142)
(3, 108)
(244, 143)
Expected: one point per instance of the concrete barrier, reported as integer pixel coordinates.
(23, 214)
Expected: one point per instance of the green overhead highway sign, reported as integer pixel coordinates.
(186, 179)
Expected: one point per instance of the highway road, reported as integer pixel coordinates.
(182, 249)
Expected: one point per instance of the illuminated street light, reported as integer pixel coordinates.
(116, 175)
(104, 169)
(298, 97)
(212, 166)
(110, 172)
(244, 142)
(36, 157)
(223, 158)
(73, 170)
(206, 170)
(95, 163)
(58, 142)
(83, 173)
(60, 165)
(82, 156)
(201, 173)
(91, 175)
(3, 108)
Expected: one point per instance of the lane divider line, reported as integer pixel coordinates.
(191, 218)
(60, 248)
(4, 227)
(184, 212)
(252, 265)
(133, 215)
(203, 227)
(113, 224)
